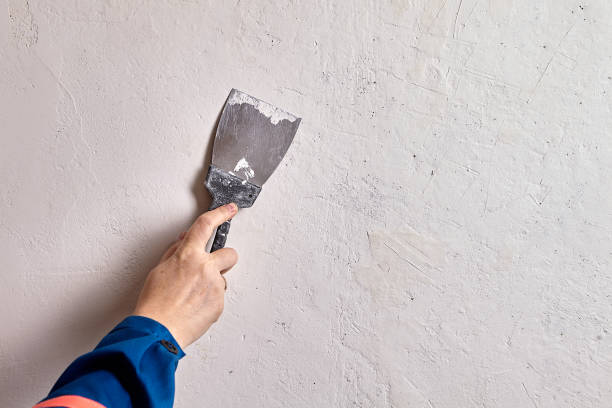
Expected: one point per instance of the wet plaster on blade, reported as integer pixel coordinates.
(436, 236)
(244, 169)
(275, 114)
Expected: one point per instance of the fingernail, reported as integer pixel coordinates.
(231, 207)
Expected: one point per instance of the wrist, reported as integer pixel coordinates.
(164, 322)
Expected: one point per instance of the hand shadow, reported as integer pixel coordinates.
(48, 350)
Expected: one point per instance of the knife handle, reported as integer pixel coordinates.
(221, 236)
(225, 188)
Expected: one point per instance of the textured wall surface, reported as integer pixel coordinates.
(437, 236)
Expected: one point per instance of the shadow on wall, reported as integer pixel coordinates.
(52, 344)
(202, 197)
(85, 325)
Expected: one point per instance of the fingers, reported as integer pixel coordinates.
(223, 259)
(203, 227)
(172, 249)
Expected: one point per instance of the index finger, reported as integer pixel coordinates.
(203, 227)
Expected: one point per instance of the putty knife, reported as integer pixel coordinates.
(252, 138)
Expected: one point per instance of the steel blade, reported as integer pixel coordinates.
(252, 137)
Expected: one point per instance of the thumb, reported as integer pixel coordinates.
(203, 227)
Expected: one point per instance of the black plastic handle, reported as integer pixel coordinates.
(221, 236)
(227, 188)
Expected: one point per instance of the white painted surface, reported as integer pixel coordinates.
(437, 236)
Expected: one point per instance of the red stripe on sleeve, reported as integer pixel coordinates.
(69, 401)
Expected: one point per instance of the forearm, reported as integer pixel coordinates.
(133, 366)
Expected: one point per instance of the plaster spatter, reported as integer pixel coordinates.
(275, 114)
(244, 166)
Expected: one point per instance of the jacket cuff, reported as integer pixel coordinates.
(151, 327)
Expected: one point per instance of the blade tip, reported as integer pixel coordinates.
(275, 114)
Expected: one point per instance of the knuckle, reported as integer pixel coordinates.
(233, 255)
(218, 288)
(209, 267)
(205, 221)
(224, 258)
(184, 254)
(218, 310)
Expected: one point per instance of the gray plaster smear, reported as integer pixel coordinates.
(438, 234)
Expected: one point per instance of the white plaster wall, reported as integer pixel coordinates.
(437, 236)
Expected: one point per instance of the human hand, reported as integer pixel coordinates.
(185, 291)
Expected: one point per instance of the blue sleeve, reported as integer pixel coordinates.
(133, 366)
